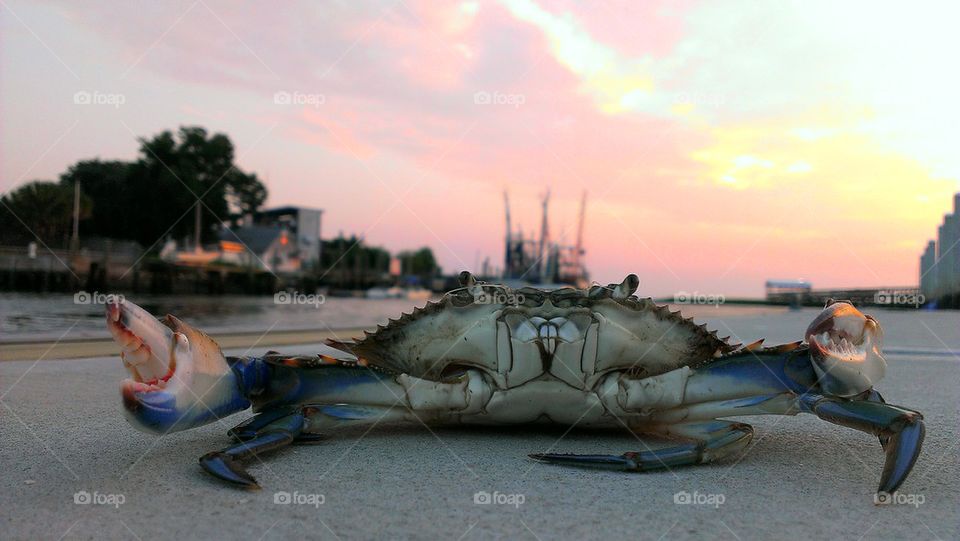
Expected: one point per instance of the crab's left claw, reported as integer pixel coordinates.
(845, 354)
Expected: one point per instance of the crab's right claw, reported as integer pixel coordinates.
(179, 378)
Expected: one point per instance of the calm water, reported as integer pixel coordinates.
(36, 317)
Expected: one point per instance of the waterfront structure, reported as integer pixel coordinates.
(267, 248)
(283, 240)
(787, 291)
(540, 260)
(940, 262)
(303, 225)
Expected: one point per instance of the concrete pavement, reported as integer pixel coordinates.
(63, 437)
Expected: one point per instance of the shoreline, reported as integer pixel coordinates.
(83, 348)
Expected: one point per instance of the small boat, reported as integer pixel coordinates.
(412, 293)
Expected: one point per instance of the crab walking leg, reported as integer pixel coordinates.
(900, 430)
(225, 464)
(767, 384)
(249, 429)
(711, 440)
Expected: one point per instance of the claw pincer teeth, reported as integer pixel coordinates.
(146, 344)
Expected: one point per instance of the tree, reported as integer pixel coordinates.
(348, 262)
(40, 209)
(153, 197)
(420, 263)
(105, 184)
(172, 174)
(245, 193)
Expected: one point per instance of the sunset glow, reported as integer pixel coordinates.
(722, 143)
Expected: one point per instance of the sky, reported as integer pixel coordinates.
(721, 143)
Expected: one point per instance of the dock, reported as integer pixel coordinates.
(37, 350)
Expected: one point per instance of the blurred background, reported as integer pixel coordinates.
(358, 156)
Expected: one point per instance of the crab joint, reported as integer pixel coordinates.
(468, 395)
(640, 395)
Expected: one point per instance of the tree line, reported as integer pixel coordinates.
(146, 200)
(154, 198)
(346, 262)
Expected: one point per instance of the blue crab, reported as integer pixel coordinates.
(488, 354)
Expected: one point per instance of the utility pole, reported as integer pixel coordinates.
(196, 230)
(75, 239)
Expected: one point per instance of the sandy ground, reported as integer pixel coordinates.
(62, 434)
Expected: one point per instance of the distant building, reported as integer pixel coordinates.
(788, 291)
(928, 277)
(284, 240)
(304, 226)
(268, 248)
(940, 261)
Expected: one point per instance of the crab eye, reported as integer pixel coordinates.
(531, 297)
(461, 297)
(565, 297)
